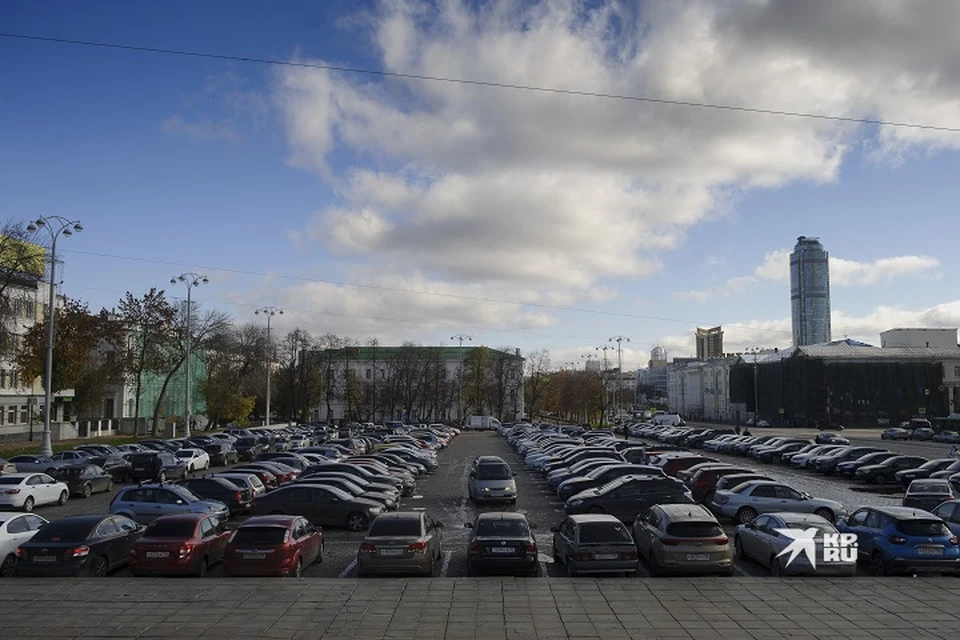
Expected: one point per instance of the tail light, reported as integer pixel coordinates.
(368, 547)
(531, 548)
(671, 541)
(476, 547)
(12, 492)
(79, 552)
(955, 541)
(629, 555)
(19, 552)
(185, 549)
(239, 496)
(583, 555)
(417, 546)
(897, 539)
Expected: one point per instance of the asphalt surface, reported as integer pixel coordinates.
(443, 495)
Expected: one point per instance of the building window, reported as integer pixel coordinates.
(15, 379)
(23, 414)
(12, 414)
(956, 372)
(3, 378)
(369, 374)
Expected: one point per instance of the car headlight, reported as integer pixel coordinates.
(575, 503)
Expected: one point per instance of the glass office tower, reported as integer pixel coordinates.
(810, 292)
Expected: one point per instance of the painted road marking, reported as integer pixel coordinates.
(446, 563)
(343, 574)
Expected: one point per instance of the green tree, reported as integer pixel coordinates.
(150, 321)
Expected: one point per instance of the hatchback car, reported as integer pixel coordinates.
(949, 512)
(195, 459)
(27, 490)
(186, 544)
(765, 539)
(156, 466)
(502, 542)
(401, 542)
(85, 479)
(594, 543)
(903, 540)
(273, 546)
(146, 503)
(15, 529)
(491, 480)
(629, 496)
(683, 539)
(91, 545)
(926, 494)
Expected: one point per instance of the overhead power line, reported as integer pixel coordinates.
(482, 83)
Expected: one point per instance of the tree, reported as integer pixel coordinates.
(150, 321)
(476, 377)
(22, 266)
(537, 379)
(235, 372)
(501, 379)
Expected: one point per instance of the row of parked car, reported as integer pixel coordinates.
(162, 528)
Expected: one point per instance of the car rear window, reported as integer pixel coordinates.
(493, 472)
(170, 529)
(65, 531)
(395, 527)
(601, 532)
(259, 535)
(929, 487)
(142, 458)
(68, 472)
(694, 529)
(922, 528)
(509, 527)
(9, 480)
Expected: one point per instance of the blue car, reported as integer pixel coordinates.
(903, 540)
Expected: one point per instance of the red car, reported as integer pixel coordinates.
(181, 544)
(273, 546)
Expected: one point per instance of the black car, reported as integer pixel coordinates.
(118, 466)
(886, 470)
(221, 454)
(84, 479)
(212, 488)
(156, 466)
(502, 542)
(249, 447)
(601, 476)
(629, 496)
(849, 469)
(925, 470)
(92, 545)
(321, 505)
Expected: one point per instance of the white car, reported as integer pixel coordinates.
(15, 529)
(195, 459)
(27, 490)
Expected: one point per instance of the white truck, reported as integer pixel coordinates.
(672, 419)
(483, 423)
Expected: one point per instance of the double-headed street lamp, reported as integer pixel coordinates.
(460, 337)
(269, 312)
(191, 280)
(603, 379)
(55, 226)
(619, 340)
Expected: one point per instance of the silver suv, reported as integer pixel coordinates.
(145, 503)
(491, 480)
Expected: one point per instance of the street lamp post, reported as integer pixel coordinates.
(460, 337)
(269, 312)
(55, 226)
(619, 340)
(191, 280)
(603, 381)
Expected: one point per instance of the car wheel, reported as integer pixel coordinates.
(879, 564)
(356, 521)
(100, 567)
(738, 548)
(202, 569)
(826, 514)
(28, 504)
(64, 496)
(746, 515)
(87, 490)
(7, 568)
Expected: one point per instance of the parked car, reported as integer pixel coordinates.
(886, 471)
(15, 529)
(278, 545)
(727, 483)
(745, 502)
(895, 433)
(221, 454)
(849, 469)
(156, 466)
(763, 541)
(922, 433)
(949, 512)
(184, 544)
(926, 470)
(604, 474)
(236, 498)
(147, 502)
(401, 542)
(325, 506)
(249, 447)
(119, 468)
(682, 538)
(947, 437)
(927, 494)
(629, 496)
(502, 542)
(37, 464)
(91, 545)
(902, 540)
(85, 479)
(827, 437)
(244, 480)
(594, 543)
(195, 459)
(491, 480)
(28, 490)
(7, 467)
(389, 501)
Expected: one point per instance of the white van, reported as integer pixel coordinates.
(672, 419)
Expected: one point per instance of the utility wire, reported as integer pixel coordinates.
(482, 83)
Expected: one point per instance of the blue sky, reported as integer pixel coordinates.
(605, 217)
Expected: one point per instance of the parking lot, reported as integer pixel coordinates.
(443, 495)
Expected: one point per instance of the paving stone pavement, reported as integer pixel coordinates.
(482, 608)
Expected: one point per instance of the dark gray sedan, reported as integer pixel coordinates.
(502, 542)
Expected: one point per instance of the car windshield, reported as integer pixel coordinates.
(493, 472)
(604, 532)
(259, 535)
(170, 529)
(247, 442)
(508, 527)
(65, 531)
(185, 453)
(694, 529)
(403, 527)
(142, 458)
(922, 528)
(929, 487)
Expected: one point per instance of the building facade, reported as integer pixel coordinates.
(925, 338)
(810, 292)
(709, 343)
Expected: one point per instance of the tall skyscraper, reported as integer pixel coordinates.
(709, 343)
(810, 292)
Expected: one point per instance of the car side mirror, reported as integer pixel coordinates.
(555, 529)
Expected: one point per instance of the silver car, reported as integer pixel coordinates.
(491, 480)
(761, 540)
(401, 542)
(38, 464)
(745, 502)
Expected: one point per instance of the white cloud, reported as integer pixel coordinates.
(200, 130)
(775, 266)
(849, 272)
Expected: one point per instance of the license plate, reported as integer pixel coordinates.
(391, 552)
(254, 556)
(698, 556)
(606, 556)
(503, 550)
(930, 551)
(44, 559)
(158, 554)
